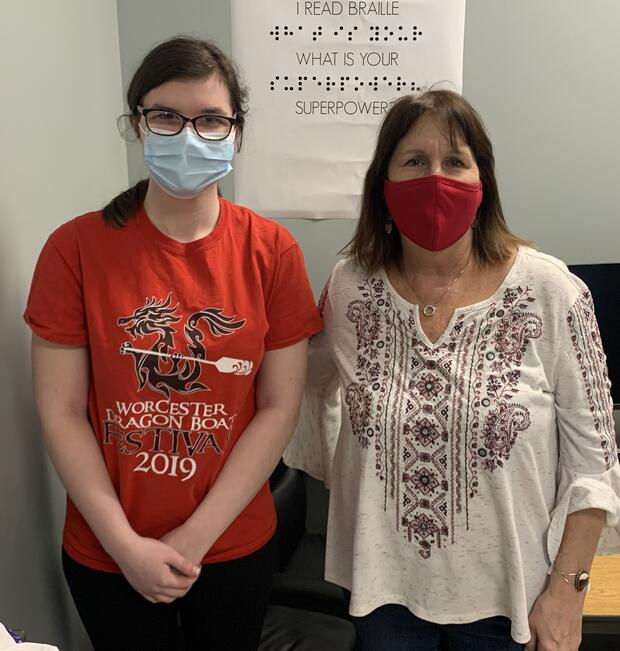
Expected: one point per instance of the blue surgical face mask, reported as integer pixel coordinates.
(185, 164)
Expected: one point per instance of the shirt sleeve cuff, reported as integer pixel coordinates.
(578, 492)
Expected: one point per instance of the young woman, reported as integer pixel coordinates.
(472, 459)
(169, 347)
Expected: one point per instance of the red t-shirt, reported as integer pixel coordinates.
(176, 333)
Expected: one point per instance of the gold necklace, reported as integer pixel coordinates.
(429, 310)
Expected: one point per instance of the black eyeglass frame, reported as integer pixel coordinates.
(145, 111)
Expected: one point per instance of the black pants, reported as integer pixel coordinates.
(223, 610)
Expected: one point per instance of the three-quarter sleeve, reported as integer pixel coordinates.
(588, 473)
(314, 442)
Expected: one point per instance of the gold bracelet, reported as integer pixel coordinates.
(581, 581)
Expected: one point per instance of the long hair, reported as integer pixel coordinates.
(371, 247)
(181, 57)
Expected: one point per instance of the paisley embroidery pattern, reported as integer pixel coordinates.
(586, 340)
(432, 434)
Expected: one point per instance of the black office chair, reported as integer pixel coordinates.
(306, 613)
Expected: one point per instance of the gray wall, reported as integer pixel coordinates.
(543, 74)
(61, 156)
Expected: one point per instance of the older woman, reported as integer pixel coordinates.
(472, 461)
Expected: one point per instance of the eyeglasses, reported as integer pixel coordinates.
(170, 123)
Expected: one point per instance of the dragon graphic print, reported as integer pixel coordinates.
(182, 375)
(168, 435)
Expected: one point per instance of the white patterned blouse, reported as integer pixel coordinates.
(452, 466)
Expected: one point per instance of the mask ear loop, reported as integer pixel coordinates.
(231, 136)
(144, 133)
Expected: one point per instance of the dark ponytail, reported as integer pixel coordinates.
(125, 204)
(181, 57)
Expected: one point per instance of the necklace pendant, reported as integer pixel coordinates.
(429, 310)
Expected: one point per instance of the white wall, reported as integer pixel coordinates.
(60, 155)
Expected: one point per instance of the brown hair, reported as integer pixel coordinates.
(371, 247)
(181, 57)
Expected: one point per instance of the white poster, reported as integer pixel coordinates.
(321, 76)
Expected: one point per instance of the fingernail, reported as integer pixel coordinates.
(197, 570)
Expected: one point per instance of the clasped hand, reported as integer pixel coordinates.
(157, 570)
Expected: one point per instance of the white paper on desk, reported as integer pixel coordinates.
(7, 642)
(5, 639)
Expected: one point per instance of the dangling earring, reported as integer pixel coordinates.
(388, 226)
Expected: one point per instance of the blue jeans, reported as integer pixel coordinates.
(395, 628)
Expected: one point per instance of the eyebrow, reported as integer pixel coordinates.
(458, 152)
(210, 110)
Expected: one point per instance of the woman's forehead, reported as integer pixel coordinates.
(434, 128)
(430, 129)
(197, 93)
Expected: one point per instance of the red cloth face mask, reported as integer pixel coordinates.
(433, 211)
